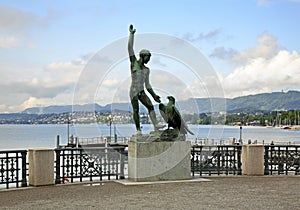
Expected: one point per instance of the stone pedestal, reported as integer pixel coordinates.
(157, 161)
(41, 167)
(253, 160)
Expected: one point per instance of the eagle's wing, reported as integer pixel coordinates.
(176, 117)
(180, 122)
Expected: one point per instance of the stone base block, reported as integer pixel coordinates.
(41, 167)
(253, 160)
(157, 161)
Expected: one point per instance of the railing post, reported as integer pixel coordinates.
(77, 142)
(297, 169)
(122, 164)
(239, 159)
(219, 156)
(57, 141)
(200, 160)
(271, 160)
(72, 165)
(286, 159)
(280, 164)
(57, 166)
(81, 165)
(24, 180)
(193, 161)
(266, 160)
(7, 170)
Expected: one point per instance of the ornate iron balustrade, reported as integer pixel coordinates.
(282, 159)
(89, 163)
(221, 159)
(13, 168)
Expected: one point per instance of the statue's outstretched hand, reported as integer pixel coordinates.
(131, 29)
(157, 98)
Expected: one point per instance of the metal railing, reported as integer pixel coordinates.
(101, 140)
(282, 159)
(91, 140)
(13, 168)
(221, 159)
(79, 164)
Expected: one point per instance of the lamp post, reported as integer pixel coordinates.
(241, 131)
(110, 123)
(68, 130)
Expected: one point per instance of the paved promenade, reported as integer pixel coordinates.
(234, 192)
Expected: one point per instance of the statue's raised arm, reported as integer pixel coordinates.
(130, 41)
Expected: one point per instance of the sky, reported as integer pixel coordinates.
(74, 52)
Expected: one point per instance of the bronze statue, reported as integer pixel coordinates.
(140, 80)
(172, 116)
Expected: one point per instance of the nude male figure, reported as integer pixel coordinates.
(140, 80)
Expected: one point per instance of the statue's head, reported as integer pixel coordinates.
(145, 55)
(171, 98)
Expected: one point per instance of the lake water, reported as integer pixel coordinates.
(44, 136)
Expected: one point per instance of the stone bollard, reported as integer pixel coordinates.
(41, 167)
(253, 160)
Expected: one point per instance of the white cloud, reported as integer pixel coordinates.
(264, 68)
(32, 102)
(61, 73)
(23, 87)
(264, 75)
(266, 47)
(27, 101)
(15, 20)
(15, 24)
(222, 53)
(110, 83)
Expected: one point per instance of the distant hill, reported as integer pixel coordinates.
(116, 107)
(266, 102)
(259, 102)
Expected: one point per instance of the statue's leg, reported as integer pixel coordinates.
(148, 104)
(136, 116)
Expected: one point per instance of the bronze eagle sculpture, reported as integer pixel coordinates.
(172, 116)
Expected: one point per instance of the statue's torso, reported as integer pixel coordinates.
(138, 77)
